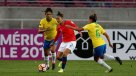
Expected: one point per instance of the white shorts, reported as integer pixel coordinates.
(67, 45)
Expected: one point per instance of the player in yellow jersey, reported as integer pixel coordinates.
(48, 27)
(95, 31)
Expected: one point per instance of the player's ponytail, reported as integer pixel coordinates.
(93, 17)
(60, 14)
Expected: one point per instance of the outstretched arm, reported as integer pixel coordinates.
(75, 28)
(108, 38)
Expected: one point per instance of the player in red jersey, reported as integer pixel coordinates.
(68, 39)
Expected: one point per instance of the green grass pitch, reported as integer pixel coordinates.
(73, 68)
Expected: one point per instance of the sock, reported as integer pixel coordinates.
(109, 57)
(53, 57)
(60, 59)
(101, 62)
(64, 61)
(46, 59)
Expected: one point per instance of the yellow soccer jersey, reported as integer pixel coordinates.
(95, 31)
(49, 27)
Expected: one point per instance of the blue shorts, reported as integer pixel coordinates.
(100, 51)
(47, 44)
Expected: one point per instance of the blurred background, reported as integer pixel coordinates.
(112, 14)
(21, 48)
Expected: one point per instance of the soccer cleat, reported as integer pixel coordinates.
(60, 63)
(61, 71)
(53, 66)
(108, 71)
(118, 60)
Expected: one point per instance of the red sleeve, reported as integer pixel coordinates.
(72, 23)
(58, 34)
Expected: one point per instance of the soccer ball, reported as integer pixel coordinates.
(42, 67)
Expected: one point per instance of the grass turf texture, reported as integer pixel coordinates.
(73, 68)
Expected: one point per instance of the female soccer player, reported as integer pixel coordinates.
(95, 30)
(68, 39)
(48, 26)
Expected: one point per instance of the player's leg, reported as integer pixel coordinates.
(64, 59)
(59, 57)
(110, 57)
(103, 63)
(53, 48)
(46, 56)
(107, 56)
(46, 52)
(61, 49)
(99, 55)
(70, 46)
(60, 53)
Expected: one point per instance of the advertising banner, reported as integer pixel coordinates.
(21, 44)
(27, 44)
(123, 40)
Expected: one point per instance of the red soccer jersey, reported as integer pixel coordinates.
(67, 33)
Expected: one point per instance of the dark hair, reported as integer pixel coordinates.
(48, 10)
(93, 17)
(60, 14)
